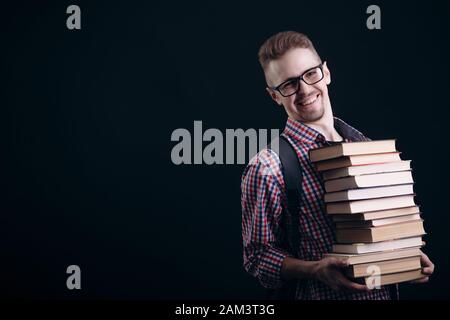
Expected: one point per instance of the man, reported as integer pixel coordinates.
(297, 80)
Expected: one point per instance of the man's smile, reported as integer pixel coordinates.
(309, 100)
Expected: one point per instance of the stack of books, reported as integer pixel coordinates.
(369, 195)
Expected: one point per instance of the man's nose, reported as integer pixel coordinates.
(303, 89)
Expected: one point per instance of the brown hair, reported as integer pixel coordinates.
(278, 44)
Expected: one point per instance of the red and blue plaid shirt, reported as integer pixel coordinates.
(263, 201)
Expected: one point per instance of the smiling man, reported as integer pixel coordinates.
(298, 80)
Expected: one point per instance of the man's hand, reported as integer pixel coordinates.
(329, 271)
(427, 269)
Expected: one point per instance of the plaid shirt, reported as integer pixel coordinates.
(264, 199)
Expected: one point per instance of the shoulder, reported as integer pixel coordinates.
(265, 164)
(349, 131)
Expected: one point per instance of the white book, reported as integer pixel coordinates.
(403, 165)
(352, 148)
(369, 180)
(373, 215)
(369, 193)
(359, 248)
(353, 259)
(356, 160)
(359, 206)
(377, 222)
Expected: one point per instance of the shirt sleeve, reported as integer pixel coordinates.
(262, 185)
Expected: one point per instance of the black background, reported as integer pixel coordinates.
(87, 116)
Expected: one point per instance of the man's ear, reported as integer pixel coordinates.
(326, 73)
(274, 96)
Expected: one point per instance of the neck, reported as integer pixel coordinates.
(325, 125)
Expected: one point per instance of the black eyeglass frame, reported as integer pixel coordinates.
(277, 88)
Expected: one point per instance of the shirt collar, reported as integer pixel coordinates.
(300, 131)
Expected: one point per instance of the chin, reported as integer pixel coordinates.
(311, 116)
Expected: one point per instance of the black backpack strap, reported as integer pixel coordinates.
(293, 178)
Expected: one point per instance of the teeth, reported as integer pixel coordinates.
(304, 103)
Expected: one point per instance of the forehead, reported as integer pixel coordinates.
(292, 64)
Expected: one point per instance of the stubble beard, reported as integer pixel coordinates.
(312, 116)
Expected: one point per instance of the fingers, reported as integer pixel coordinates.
(340, 281)
(424, 260)
(340, 263)
(346, 284)
(428, 271)
(427, 265)
(421, 280)
(353, 286)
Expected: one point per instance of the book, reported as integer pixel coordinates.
(392, 278)
(369, 193)
(377, 256)
(352, 148)
(403, 165)
(361, 248)
(364, 159)
(359, 206)
(385, 267)
(383, 233)
(369, 180)
(376, 222)
(372, 215)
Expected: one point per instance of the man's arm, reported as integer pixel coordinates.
(261, 209)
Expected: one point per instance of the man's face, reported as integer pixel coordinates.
(311, 101)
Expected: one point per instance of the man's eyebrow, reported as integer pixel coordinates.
(289, 79)
(296, 77)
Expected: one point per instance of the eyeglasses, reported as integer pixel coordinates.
(291, 86)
